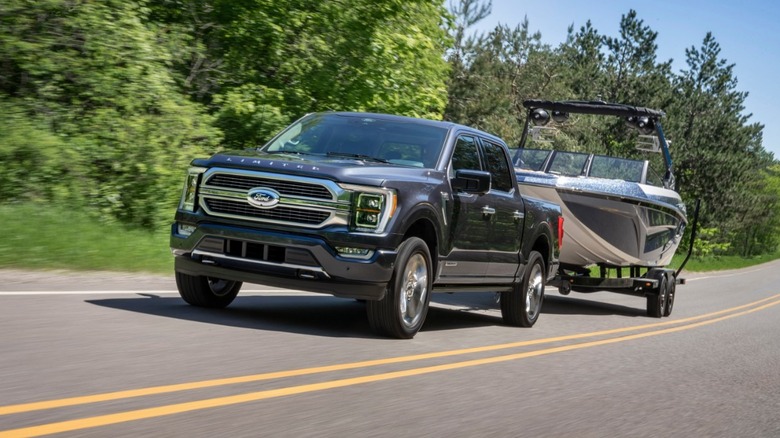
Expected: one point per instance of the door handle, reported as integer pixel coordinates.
(488, 211)
(518, 215)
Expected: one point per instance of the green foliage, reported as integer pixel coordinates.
(90, 90)
(259, 64)
(708, 244)
(106, 102)
(28, 151)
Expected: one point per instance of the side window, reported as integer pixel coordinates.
(465, 156)
(498, 166)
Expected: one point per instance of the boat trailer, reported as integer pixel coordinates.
(657, 284)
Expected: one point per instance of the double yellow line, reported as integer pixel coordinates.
(139, 414)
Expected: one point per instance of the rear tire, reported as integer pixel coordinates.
(206, 291)
(401, 313)
(521, 306)
(656, 300)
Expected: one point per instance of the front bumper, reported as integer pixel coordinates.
(279, 259)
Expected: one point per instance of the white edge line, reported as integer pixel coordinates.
(140, 292)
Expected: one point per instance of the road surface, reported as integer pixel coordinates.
(120, 355)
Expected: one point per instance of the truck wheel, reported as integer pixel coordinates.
(670, 297)
(401, 313)
(206, 291)
(521, 306)
(656, 300)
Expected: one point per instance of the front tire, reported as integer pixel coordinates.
(206, 291)
(401, 313)
(521, 306)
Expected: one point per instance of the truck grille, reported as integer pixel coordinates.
(290, 188)
(286, 214)
(302, 201)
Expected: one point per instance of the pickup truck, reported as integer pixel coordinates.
(380, 208)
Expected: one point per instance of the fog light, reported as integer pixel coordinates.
(355, 253)
(185, 230)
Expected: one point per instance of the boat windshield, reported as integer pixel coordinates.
(362, 137)
(616, 168)
(582, 164)
(531, 159)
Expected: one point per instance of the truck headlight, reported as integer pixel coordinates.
(189, 196)
(372, 207)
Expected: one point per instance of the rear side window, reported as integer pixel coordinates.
(498, 166)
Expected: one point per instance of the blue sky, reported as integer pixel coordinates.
(745, 29)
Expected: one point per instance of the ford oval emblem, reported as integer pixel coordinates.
(263, 198)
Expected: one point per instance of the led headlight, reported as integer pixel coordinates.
(372, 207)
(189, 195)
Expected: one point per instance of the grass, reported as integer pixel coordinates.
(37, 236)
(49, 237)
(721, 263)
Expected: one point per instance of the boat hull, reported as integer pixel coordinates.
(613, 223)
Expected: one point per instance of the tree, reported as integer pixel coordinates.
(719, 157)
(271, 62)
(113, 127)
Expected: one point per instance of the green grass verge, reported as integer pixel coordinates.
(51, 237)
(722, 262)
(39, 236)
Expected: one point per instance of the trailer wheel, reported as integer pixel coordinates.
(522, 306)
(656, 300)
(672, 286)
(401, 313)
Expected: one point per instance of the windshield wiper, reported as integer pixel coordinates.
(357, 156)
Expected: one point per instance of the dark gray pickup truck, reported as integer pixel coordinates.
(380, 208)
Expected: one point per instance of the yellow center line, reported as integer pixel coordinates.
(164, 389)
(104, 420)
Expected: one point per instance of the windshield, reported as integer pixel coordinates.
(363, 137)
(617, 168)
(531, 159)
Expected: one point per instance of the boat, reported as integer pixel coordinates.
(617, 211)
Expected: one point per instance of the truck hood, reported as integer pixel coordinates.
(342, 169)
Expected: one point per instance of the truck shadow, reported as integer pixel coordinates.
(336, 317)
(311, 315)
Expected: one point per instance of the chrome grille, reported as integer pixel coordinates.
(279, 213)
(284, 187)
(303, 201)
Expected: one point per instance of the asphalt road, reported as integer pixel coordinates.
(122, 355)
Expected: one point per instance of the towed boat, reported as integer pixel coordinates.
(618, 212)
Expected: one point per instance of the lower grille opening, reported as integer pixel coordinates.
(258, 251)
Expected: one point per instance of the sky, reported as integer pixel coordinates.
(747, 31)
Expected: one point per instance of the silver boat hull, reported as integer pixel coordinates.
(614, 223)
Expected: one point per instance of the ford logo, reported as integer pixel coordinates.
(263, 198)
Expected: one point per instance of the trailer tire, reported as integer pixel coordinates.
(656, 300)
(523, 304)
(672, 286)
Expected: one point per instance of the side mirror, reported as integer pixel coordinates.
(472, 181)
